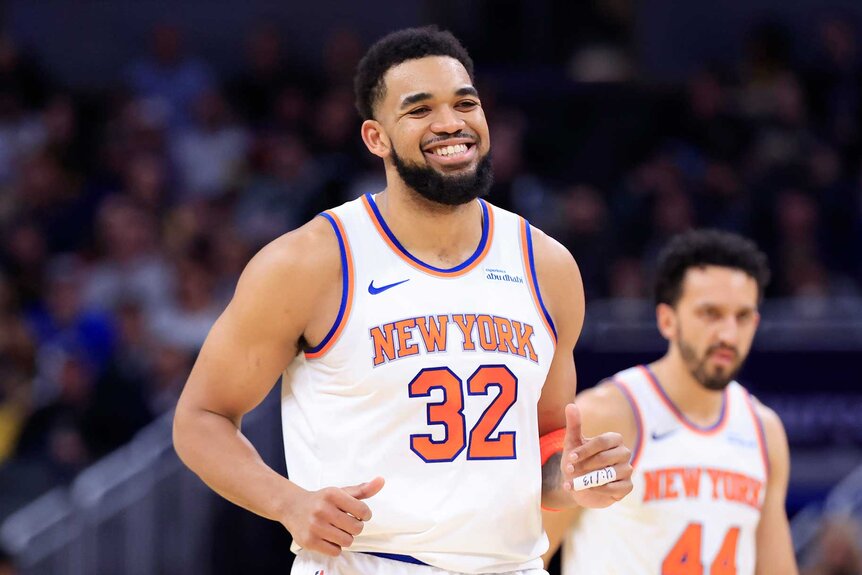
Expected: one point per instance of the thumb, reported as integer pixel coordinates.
(365, 490)
(574, 437)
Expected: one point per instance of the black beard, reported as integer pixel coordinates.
(697, 366)
(452, 190)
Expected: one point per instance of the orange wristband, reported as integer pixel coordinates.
(551, 443)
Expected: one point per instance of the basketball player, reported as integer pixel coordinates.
(426, 340)
(710, 461)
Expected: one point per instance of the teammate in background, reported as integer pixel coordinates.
(426, 340)
(710, 462)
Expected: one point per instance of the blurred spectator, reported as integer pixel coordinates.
(24, 256)
(20, 75)
(210, 152)
(129, 264)
(172, 363)
(342, 51)
(585, 229)
(55, 200)
(838, 548)
(282, 194)
(267, 75)
(191, 311)
(60, 431)
(168, 76)
(62, 322)
(833, 80)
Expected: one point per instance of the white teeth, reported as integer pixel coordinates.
(451, 150)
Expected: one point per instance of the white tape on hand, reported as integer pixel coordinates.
(594, 478)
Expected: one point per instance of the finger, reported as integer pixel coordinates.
(608, 458)
(597, 444)
(324, 547)
(350, 498)
(335, 536)
(349, 504)
(616, 490)
(347, 523)
(365, 490)
(597, 479)
(574, 438)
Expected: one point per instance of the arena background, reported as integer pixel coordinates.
(149, 147)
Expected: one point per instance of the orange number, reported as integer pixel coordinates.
(481, 444)
(684, 557)
(725, 561)
(449, 413)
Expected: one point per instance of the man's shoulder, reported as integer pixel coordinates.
(606, 408)
(298, 256)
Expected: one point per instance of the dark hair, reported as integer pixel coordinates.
(398, 47)
(700, 248)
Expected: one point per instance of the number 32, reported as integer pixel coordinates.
(450, 414)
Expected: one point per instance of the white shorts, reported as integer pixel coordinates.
(352, 563)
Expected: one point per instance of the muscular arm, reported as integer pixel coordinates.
(249, 346)
(562, 290)
(774, 545)
(604, 409)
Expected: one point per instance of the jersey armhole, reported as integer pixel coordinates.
(533, 280)
(347, 281)
(639, 434)
(761, 434)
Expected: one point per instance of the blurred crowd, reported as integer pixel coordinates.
(127, 214)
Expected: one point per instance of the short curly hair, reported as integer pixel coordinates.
(398, 47)
(700, 248)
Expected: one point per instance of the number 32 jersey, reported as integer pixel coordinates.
(429, 378)
(697, 494)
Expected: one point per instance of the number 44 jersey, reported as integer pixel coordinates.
(429, 378)
(697, 492)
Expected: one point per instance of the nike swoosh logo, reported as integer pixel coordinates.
(376, 290)
(659, 436)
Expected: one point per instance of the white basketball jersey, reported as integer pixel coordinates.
(697, 492)
(430, 378)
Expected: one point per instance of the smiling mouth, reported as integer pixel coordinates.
(450, 151)
(454, 155)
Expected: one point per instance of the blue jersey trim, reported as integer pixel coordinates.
(479, 249)
(396, 557)
(536, 279)
(344, 286)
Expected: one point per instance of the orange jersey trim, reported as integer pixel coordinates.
(761, 434)
(346, 296)
(636, 411)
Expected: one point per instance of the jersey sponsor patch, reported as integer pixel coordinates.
(497, 274)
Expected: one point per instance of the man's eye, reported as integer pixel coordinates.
(419, 111)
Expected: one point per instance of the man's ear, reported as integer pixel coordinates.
(666, 320)
(375, 138)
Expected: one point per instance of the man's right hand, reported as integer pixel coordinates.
(327, 520)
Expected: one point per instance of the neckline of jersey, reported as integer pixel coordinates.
(707, 429)
(462, 268)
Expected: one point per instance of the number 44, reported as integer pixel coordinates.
(684, 558)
